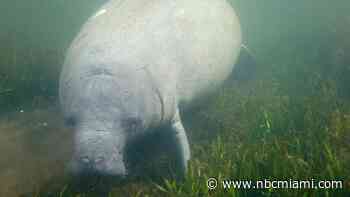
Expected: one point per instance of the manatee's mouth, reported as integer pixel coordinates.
(98, 154)
(98, 158)
(95, 183)
(87, 177)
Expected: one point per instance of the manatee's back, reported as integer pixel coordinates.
(133, 37)
(187, 46)
(211, 38)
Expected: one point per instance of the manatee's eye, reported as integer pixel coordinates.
(70, 121)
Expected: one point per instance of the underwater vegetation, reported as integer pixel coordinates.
(269, 132)
(260, 136)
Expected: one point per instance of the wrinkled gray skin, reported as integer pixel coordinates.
(133, 65)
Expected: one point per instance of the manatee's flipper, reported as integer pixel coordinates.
(181, 142)
(245, 69)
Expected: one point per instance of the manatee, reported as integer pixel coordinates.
(134, 66)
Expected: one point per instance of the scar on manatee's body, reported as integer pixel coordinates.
(156, 88)
(99, 71)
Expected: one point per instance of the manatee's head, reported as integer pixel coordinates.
(99, 148)
(101, 130)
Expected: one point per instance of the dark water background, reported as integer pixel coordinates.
(291, 41)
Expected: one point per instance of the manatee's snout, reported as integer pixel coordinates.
(98, 153)
(83, 166)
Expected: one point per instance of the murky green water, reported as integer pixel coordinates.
(302, 49)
